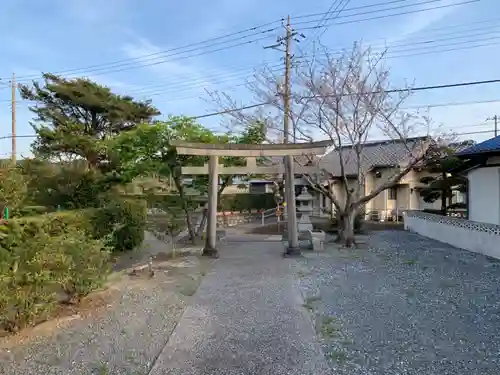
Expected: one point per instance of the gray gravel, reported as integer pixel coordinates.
(246, 318)
(405, 305)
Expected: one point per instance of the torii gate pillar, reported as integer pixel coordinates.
(213, 186)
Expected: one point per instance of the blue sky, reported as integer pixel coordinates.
(57, 36)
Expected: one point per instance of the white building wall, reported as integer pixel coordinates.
(461, 233)
(484, 195)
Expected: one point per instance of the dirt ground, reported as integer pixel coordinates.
(133, 315)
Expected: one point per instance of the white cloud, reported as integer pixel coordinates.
(422, 20)
(179, 77)
(95, 11)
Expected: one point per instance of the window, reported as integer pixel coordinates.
(393, 194)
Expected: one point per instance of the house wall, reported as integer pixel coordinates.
(407, 196)
(484, 194)
(235, 189)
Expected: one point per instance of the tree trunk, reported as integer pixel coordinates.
(203, 222)
(189, 223)
(444, 195)
(443, 202)
(346, 229)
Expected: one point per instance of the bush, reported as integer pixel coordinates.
(123, 221)
(246, 202)
(31, 211)
(13, 188)
(39, 269)
(432, 211)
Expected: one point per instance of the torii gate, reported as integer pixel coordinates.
(251, 152)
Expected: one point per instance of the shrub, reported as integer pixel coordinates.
(123, 221)
(246, 201)
(13, 188)
(39, 269)
(31, 211)
(432, 211)
(55, 223)
(89, 263)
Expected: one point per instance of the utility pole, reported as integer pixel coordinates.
(286, 93)
(13, 102)
(292, 229)
(495, 119)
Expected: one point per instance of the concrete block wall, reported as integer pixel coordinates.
(465, 234)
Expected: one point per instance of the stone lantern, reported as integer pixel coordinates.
(305, 200)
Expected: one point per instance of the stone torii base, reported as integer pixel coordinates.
(251, 152)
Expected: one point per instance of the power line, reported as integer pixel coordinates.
(419, 88)
(425, 41)
(163, 61)
(414, 89)
(394, 14)
(310, 15)
(366, 12)
(124, 64)
(144, 58)
(388, 56)
(160, 92)
(318, 33)
(424, 50)
(443, 50)
(210, 41)
(330, 11)
(428, 40)
(451, 104)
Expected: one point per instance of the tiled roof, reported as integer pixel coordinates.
(373, 154)
(376, 153)
(461, 146)
(489, 146)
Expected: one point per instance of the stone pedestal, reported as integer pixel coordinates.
(317, 240)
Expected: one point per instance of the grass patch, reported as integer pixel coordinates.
(302, 274)
(346, 342)
(309, 302)
(103, 369)
(337, 356)
(329, 327)
(411, 262)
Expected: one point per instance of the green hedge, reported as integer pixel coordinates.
(246, 201)
(120, 222)
(333, 224)
(227, 202)
(42, 264)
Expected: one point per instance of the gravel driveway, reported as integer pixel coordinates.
(405, 304)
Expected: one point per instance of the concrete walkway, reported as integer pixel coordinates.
(247, 317)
